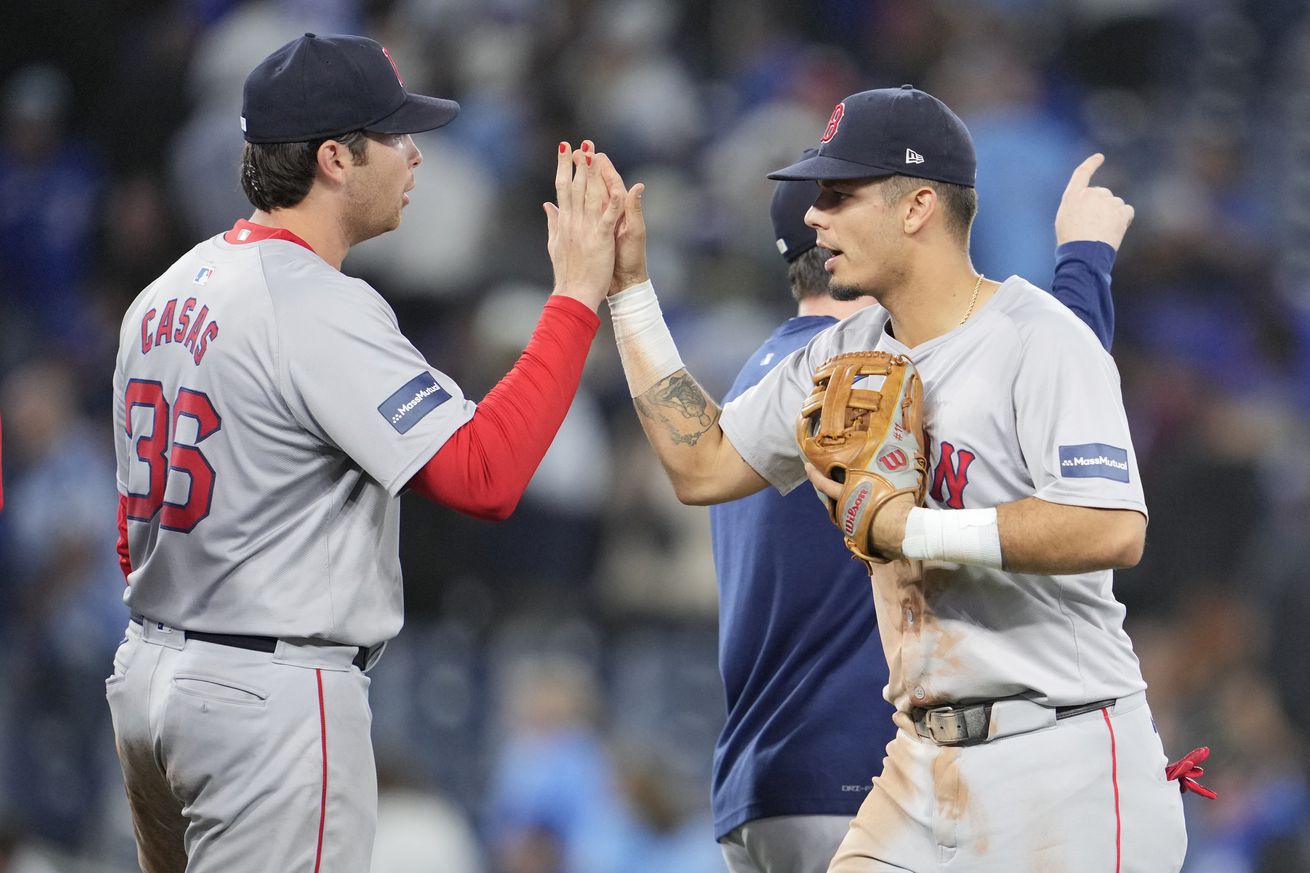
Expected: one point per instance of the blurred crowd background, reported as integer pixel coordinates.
(552, 702)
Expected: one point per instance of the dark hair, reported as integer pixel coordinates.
(807, 276)
(278, 175)
(959, 201)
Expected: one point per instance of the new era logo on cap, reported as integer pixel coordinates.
(913, 157)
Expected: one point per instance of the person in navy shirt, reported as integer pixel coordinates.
(802, 664)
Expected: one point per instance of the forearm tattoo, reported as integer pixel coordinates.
(681, 406)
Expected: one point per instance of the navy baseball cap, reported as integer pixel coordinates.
(791, 200)
(891, 132)
(316, 87)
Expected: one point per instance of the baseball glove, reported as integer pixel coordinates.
(868, 439)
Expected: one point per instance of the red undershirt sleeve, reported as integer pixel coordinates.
(484, 467)
(124, 556)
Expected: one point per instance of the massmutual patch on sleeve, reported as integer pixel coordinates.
(415, 399)
(1094, 461)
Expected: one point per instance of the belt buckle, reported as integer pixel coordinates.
(947, 726)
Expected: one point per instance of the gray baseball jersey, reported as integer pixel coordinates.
(268, 411)
(1021, 400)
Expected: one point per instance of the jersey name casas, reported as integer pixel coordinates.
(267, 413)
(1020, 401)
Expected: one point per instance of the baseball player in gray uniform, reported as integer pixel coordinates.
(268, 413)
(1024, 738)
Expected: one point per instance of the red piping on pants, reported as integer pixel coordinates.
(1114, 777)
(322, 804)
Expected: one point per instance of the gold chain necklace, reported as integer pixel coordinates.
(973, 299)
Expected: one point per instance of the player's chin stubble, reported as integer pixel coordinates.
(371, 218)
(837, 291)
(845, 293)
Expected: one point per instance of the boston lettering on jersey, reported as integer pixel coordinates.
(415, 399)
(182, 325)
(952, 472)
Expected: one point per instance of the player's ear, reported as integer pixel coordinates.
(917, 207)
(332, 159)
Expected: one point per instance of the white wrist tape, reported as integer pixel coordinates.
(646, 347)
(961, 536)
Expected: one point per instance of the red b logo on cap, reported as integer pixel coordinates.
(394, 68)
(835, 120)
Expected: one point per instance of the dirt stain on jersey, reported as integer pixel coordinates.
(944, 658)
(890, 582)
(913, 610)
(935, 585)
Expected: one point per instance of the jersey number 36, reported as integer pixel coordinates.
(164, 457)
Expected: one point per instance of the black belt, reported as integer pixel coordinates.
(1080, 708)
(950, 725)
(253, 643)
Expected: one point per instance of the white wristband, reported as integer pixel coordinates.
(961, 536)
(646, 347)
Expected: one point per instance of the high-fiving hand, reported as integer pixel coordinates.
(630, 243)
(580, 225)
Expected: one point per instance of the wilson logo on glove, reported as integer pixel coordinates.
(894, 460)
(851, 518)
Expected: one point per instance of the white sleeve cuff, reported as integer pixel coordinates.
(961, 536)
(645, 345)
